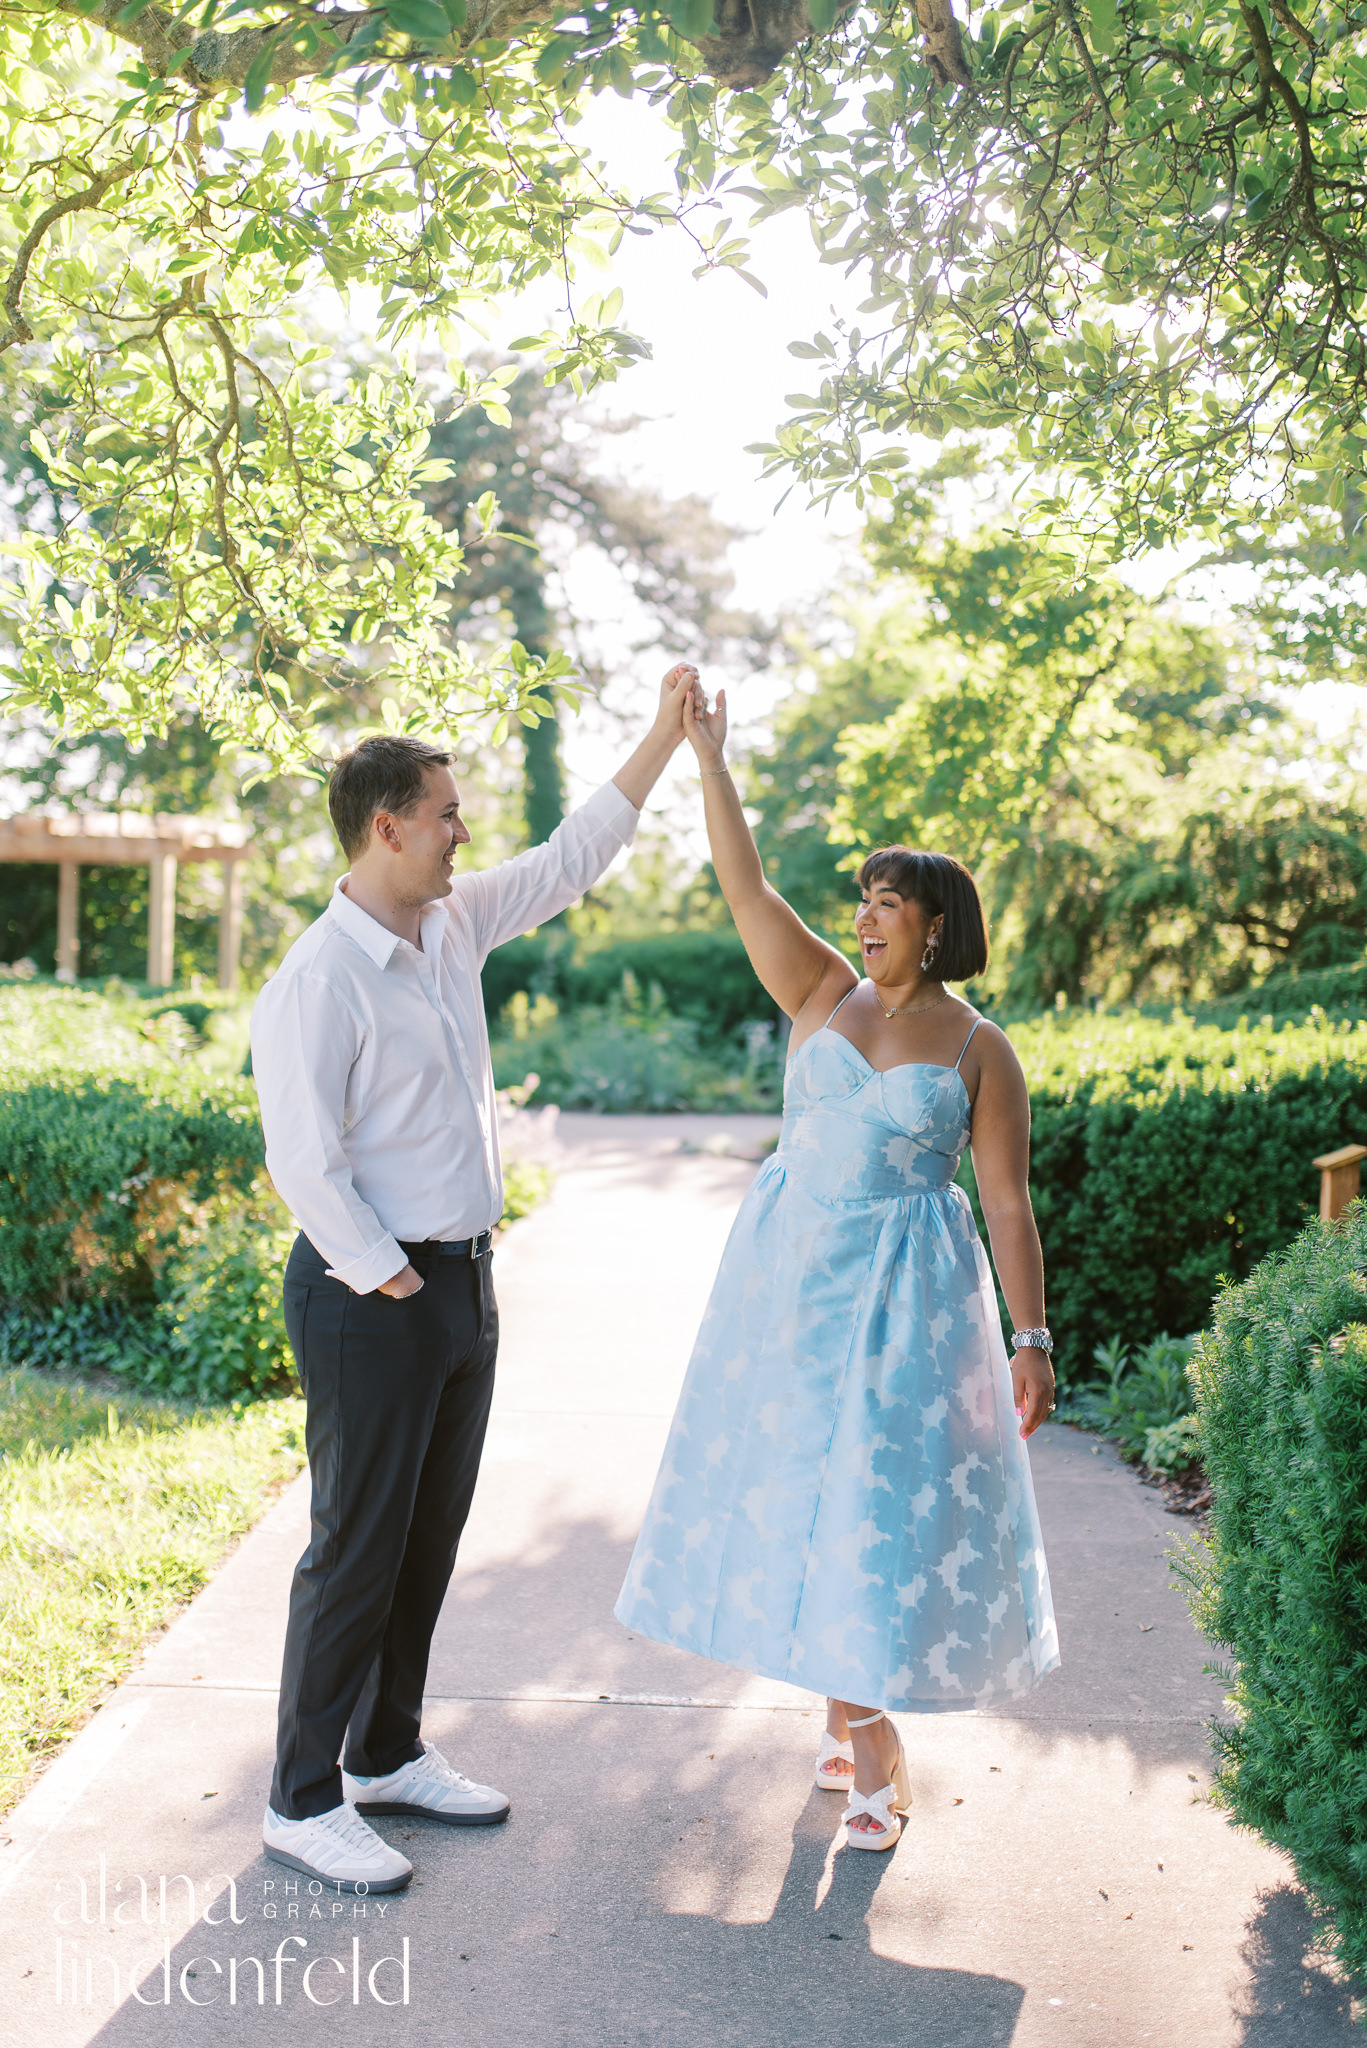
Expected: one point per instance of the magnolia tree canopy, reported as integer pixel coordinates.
(1120, 240)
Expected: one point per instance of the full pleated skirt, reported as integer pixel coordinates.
(845, 1501)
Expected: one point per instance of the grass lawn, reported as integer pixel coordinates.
(115, 1508)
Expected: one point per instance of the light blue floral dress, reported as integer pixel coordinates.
(845, 1500)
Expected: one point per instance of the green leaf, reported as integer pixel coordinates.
(423, 20)
(1103, 25)
(551, 61)
(822, 15)
(692, 18)
(259, 77)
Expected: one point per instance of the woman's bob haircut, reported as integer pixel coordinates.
(941, 886)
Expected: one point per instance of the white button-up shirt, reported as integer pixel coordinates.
(371, 1056)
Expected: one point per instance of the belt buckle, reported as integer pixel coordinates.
(482, 1244)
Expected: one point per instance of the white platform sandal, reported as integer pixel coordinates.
(886, 1806)
(828, 1780)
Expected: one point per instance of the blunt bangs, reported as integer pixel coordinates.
(942, 887)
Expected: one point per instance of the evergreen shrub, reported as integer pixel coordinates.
(1168, 1158)
(1281, 1384)
(138, 1232)
(705, 977)
(634, 1055)
(1340, 991)
(103, 1178)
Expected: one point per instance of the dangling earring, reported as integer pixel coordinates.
(928, 957)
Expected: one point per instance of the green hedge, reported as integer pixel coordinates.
(138, 1232)
(703, 976)
(1282, 1585)
(1168, 1158)
(635, 1056)
(102, 1179)
(1339, 991)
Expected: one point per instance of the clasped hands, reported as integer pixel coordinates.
(683, 713)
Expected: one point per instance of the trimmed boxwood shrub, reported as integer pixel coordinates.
(138, 1232)
(1167, 1158)
(1340, 991)
(103, 1177)
(1281, 1386)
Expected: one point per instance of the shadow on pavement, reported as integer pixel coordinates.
(1293, 1994)
(669, 1878)
(642, 1975)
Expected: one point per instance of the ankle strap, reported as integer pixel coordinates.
(867, 1721)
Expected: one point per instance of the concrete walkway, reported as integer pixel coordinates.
(668, 1876)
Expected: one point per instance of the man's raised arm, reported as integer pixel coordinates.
(525, 892)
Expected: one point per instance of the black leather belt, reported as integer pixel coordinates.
(453, 1248)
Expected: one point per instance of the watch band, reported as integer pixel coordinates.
(1032, 1340)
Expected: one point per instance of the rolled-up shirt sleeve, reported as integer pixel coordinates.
(525, 891)
(305, 1041)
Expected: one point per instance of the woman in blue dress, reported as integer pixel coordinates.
(845, 1498)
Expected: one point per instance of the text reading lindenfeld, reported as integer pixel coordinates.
(87, 1974)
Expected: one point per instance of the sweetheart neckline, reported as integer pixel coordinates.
(935, 1066)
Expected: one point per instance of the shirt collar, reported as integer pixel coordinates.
(375, 939)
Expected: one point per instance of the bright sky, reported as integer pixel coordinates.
(717, 380)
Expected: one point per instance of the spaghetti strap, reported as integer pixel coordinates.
(839, 1006)
(967, 1042)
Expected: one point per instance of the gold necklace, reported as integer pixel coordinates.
(911, 1009)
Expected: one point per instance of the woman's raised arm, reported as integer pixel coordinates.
(796, 967)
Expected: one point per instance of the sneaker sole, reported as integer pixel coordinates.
(449, 1820)
(343, 1884)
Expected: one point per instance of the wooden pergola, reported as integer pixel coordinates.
(122, 839)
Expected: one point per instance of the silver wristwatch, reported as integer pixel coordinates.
(1032, 1340)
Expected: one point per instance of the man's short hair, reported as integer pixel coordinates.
(387, 772)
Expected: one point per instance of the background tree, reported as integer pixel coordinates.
(1128, 785)
(1124, 245)
(555, 488)
(556, 491)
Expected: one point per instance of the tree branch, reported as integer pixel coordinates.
(746, 46)
(18, 329)
(1290, 23)
(216, 60)
(946, 57)
(1272, 79)
(1069, 13)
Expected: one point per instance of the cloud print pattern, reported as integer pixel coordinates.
(845, 1501)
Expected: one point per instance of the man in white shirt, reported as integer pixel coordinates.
(371, 1059)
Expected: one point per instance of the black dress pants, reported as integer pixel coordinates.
(398, 1397)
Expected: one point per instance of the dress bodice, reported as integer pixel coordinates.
(852, 1133)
